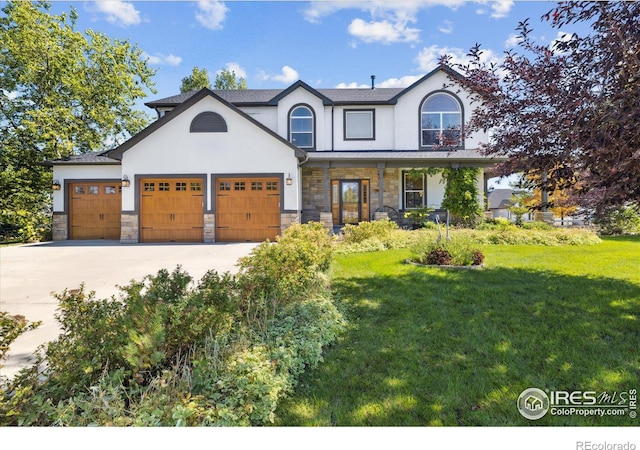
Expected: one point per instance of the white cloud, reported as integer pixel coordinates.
(383, 31)
(512, 41)
(501, 8)
(163, 60)
(446, 27)
(287, 76)
(212, 13)
(402, 82)
(429, 57)
(235, 68)
(119, 12)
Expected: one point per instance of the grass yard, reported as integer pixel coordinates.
(430, 346)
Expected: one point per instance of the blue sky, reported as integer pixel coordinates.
(327, 44)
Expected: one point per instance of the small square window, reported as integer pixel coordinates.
(359, 124)
(93, 190)
(149, 187)
(272, 185)
(239, 186)
(78, 190)
(256, 185)
(196, 186)
(163, 186)
(109, 190)
(224, 186)
(181, 186)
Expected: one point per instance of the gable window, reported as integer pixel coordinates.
(301, 127)
(441, 122)
(359, 124)
(413, 190)
(208, 122)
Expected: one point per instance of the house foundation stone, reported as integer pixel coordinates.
(129, 228)
(60, 227)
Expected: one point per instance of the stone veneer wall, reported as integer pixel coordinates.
(209, 228)
(60, 230)
(287, 219)
(129, 228)
(313, 188)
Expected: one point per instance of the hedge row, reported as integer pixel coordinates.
(222, 351)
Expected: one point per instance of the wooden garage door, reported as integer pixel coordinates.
(94, 210)
(247, 209)
(171, 210)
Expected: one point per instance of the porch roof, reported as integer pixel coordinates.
(395, 158)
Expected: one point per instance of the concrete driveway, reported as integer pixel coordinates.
(29, 274)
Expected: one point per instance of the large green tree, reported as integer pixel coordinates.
(198, 79)
(62, 92)
(227, 79)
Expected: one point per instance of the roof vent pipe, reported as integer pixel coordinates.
(373, 77)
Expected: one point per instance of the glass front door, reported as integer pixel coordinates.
(350, 202)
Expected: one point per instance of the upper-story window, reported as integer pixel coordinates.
(441, 121)
(359, 124)
(301, 127)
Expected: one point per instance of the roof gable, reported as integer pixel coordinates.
(192, 99)
(441, 68)
(299, 84)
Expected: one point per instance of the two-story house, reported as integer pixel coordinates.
(244, 165)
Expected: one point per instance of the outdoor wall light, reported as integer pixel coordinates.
(289, 180)
(56, 185)
(125, 181)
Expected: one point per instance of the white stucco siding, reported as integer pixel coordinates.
(407, 118)
(267, 116)
(297, 97)
(243, 149)
(435, 191)
(70, 173)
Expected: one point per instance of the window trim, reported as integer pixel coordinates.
(313, 125)
(455, 98)
(406, 173)
(345, 122)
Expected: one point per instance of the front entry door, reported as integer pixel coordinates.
(350, 201)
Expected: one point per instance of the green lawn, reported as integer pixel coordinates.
(429, 346)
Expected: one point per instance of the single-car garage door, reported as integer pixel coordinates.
(94, 210)
(247, 209)
(171, 210)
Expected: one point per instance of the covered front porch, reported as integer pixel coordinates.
(349, 187)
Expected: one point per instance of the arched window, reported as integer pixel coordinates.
(301, 127)
(441, 121)
(208, 122)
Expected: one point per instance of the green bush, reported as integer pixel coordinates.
(378, 229)
(458, 251)
(168, 352)
(623, 220)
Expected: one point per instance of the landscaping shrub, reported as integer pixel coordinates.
(622, 220)
(222, 351)
(456, 252)
(379, 229)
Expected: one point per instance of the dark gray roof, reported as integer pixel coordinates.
(500, 198)
(265, 96)
(85, 158)
(270, 97)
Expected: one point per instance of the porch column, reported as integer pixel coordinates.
(326, 206)
(381, 184)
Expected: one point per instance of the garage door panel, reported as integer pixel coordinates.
(247, 209)
(94, 210)
(171, 210)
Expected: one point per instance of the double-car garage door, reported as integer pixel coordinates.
(172, 209)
